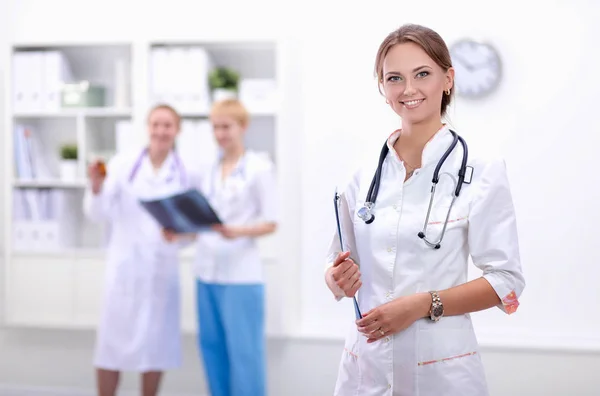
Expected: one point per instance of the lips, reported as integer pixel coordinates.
(411, 104)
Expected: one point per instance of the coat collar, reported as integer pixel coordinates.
(433, 149)
(167, 170)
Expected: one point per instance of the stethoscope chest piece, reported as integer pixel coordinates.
(366, 213)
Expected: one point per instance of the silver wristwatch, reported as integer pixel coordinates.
(437, 308)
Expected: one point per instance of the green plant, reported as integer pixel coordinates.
(68, 152)
(224, 77)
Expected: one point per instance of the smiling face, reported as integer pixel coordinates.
(414, 84)
(163, 127)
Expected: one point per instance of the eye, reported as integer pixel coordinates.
(394, 78)
(422, 74)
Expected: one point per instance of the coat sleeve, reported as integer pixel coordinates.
(346, 213)
(493, 239)
(102, 206)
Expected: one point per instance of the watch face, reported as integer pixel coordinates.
(477, 68)
(437, 310)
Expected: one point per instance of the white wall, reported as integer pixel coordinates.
(340, 114)
(540, 120)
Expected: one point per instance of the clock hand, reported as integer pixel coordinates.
(466, 64)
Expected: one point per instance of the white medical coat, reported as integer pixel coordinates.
(247, 196)
(428, 358)
(139, 328)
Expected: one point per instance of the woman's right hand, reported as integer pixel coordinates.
(169, 235)
(97, 174)
(346, 275)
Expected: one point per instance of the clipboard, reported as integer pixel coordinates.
(186, 212)
(336, 204)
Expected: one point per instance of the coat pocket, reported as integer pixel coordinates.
(448, 362)
(348, 379)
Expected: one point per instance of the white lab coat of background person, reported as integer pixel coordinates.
(140, 322)
(246, 196)
(427, 358)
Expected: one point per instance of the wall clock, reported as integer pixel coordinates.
(477, 68)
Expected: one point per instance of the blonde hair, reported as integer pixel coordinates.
(231, 108)
(164, 106)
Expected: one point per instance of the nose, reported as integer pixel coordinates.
(409, 89)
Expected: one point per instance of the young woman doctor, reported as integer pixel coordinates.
(139, 328)
(230, 293)
(415, 336)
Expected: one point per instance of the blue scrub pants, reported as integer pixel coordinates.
(231, 338)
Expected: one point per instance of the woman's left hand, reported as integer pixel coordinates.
(228, 231)
(169, 235)
(394, 316)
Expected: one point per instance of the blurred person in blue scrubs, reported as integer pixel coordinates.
(241, 187)
(140, 322)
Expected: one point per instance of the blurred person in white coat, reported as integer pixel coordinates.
(140, 323)
(241, 188)
(415, 337)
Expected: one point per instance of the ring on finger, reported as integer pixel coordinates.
(381, 331)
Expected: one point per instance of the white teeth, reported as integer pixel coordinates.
(413, 102)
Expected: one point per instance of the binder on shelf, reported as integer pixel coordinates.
(179, 76)
(37, 80)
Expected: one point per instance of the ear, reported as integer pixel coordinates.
(450, 78)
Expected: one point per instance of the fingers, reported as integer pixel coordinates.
(219, 228)
(345, 270)
(92, 171)
(369, 323)
(97, 173)
(372, 328)
(341, 257)
(369, 317)
(95, 166)
(346, 276)
(374, 337)
(353, 283)
(224, 231)
(169, 235)
(354, 288)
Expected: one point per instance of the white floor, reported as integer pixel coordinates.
(8, 390)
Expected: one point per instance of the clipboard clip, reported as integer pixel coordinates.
(336, 204)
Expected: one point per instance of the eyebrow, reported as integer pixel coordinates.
(413, 70)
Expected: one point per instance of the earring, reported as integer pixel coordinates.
(448, 92)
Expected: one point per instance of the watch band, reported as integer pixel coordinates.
(437, 308)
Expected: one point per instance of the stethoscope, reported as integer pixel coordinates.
(176, 167)
(239, 170)
(366, 212)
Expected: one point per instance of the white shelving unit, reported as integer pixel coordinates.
(66, 290)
